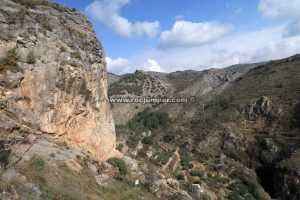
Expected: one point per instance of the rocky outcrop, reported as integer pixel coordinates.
(261, 107)
(287, 178)
(165, 188)
(60, 84)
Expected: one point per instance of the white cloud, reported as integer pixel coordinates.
(152, 65)
(108, 13)
(285, 9)
(279, 8)
(123, 66)
(118, 66)
(186, 34)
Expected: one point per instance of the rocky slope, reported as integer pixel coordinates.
(239, 140)
(201, 84)
(53, 75)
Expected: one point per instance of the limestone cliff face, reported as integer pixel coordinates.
(59, 79)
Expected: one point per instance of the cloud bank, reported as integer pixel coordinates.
(186, 34)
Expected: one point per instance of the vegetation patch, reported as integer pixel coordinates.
(10, 62)
(4, 155)
(164, 156)
(198, 173)
(185, 162)
(35, 3)
(116, 162)
(45, 23)
(130, 83)
(149, 120)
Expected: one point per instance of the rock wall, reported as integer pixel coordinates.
(57, 79)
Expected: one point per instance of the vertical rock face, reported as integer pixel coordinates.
(287, 178)
(59, 79)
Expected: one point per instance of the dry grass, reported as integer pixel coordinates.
(10, 62)
(35, 3)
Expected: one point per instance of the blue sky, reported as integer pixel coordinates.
(170, 35)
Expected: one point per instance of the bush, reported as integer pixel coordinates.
(179, 176)
(149, 120)
(147, 140)
(168, 138)
(47, 194)
(185, 162)
(10, 61)
(116, 162)
(164, 156)
(133, 141)
(217, 182)
(37, 163)
(120, 147)
(198, 173)
(239, 188)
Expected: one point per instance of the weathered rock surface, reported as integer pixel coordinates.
(61, 86)
(165, 188)
(287, 178)
(104, 181)
(74, 166)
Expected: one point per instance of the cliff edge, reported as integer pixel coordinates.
(53, 75)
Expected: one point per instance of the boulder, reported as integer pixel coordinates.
(261, 107)
(197, 190)
(12, 176)
(132, 163)
(74, 166)
(104, 181)
(165, 188)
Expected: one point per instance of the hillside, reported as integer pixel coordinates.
(71, 131)
(243, 129)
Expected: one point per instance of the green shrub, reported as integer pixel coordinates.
(198, 173)
(149, 120)
(147, 140)
(133, 141)
(116, 162)
(75, 54)
(240, 188)
(168, 138)
(164, 156)
(120, 147)
(37, 163)
(47, 194)
(10, 61)
(185, 162)
(217, 182)
(179, 176)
